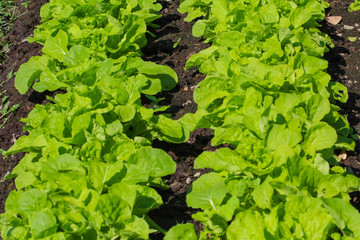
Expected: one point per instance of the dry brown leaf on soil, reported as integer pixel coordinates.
(343, 155)
(333, 19)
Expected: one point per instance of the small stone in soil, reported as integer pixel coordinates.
(175, 186)
(188, 181)
(347, 27)
(197, 174)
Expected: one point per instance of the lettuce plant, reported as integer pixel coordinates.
(90, 168)
(274, 104)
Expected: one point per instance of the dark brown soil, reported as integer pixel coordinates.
(344, 62)
(19, 52)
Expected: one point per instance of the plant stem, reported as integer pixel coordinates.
(154, 225)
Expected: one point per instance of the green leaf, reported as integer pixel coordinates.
(223, 159)
(147, 199)
(31, 201)
(66, 162)
(126, 112)
(269, 13)
(198, 29)
(43, 224)
(16, 232)
(263, 195)
(29, 72)
(284, 188)
(316, 223)
(25, 179)
(79, 124)
(114, 209)
(55, 124)
(127, 192)
(286, 102)
(310, 179)
(300, 16)
(338, 91)
(196, 120)
(181, 232)
(77, 55)
(155, 161)
(114, 128)
(355, 6)
(317, 107)
(135, 174)
(310, 64)
(279, 135)
(136, 228)
(170, 130)
(230, 39)
(346, 217)
(48, 81)
(216, 85)
(101, 173)
(165, 74)
(207, 192)
(247, 225)
(123, 149)
(318, 137)
(91, 150)
(56, 47)
(228, 209)
(32, 142)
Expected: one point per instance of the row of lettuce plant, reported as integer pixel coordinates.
(267, 95)
(89, 166)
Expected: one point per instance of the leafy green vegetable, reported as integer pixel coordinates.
(89, 163)
(272, 102)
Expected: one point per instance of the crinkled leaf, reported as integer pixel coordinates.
(247, 225)
(263, 195)
(113, 208)
(43, 224)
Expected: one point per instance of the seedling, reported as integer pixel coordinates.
(155, 103)
(5, 110)
(11, 74)
(8, 14)
(25, 4)
(177, 43)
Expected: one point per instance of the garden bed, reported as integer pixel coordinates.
(344, 63)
